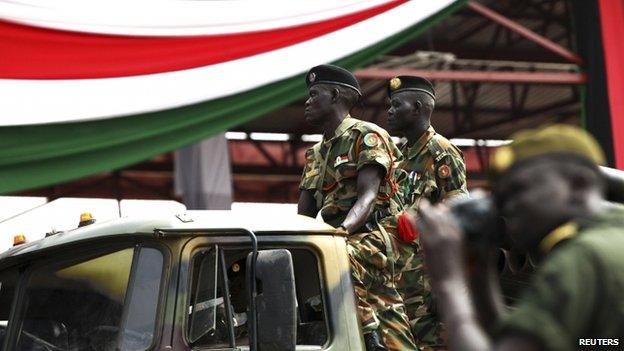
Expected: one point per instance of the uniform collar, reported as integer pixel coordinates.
(345, 125)
(613, 213)
(414, 150)
(558, 235)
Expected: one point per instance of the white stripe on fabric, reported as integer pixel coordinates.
(51, 101)
(176, 18)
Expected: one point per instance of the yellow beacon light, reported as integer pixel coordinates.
(19, 239)
(86, 218)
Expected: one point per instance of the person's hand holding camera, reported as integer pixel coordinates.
(442, 241)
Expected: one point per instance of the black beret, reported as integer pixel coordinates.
(403, 83)
(330, 74)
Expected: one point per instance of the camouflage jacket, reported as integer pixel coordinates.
(332, 167)
(433, 168)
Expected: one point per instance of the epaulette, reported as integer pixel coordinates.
(439, 147)
(436, 150)
(368, 127)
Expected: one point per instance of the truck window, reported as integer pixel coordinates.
(207, 291)
(208, 321)
(8, 281)
(80, 306)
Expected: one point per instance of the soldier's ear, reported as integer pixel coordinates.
(335, 94)
(418, 107)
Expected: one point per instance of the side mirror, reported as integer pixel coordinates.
(276, 300)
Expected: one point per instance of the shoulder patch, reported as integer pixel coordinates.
(371, 139)
(444, 171)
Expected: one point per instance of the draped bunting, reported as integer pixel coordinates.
(175, 18)
(160, 112)
(46, 54)
(122, 75)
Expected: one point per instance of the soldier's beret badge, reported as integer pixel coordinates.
(444, 171)
(371, 140)
(395, 83)
(312, 77)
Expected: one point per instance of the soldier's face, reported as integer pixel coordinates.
(401, 113)
(534, 200)
(319, 104)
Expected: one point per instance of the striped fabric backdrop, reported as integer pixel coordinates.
(87, 87)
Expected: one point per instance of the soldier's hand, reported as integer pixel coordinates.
(442, 242)
(343, 230)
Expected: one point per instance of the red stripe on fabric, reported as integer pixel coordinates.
(612, 26)
(37, 53)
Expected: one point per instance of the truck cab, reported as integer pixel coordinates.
(202, 280)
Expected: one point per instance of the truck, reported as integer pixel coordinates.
(201, 280)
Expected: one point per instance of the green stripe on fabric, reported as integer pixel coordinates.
(36, 156)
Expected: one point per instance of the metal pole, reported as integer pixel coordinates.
(525, 32)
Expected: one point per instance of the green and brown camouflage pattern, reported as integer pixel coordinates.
(379, 304)
(433, 169)
(421, 173)
(331, 174)
(332, 167)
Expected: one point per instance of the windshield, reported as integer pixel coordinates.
(88, 304)
(8, 281)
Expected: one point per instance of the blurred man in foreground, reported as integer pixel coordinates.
(548, 188)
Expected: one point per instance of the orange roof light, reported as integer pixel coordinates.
(86, 218)
(19, 239)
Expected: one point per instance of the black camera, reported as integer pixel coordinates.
(479, 220)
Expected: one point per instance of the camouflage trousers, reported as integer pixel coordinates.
(415, 290)
(379, 304)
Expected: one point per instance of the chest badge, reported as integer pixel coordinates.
(413, 176)
(341, 159)
(444, 171)
(371, 140)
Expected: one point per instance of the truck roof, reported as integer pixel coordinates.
(189, 221)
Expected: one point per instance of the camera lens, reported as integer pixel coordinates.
(479, 220)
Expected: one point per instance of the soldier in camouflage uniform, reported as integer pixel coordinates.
(349, 178)
(433, 169)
